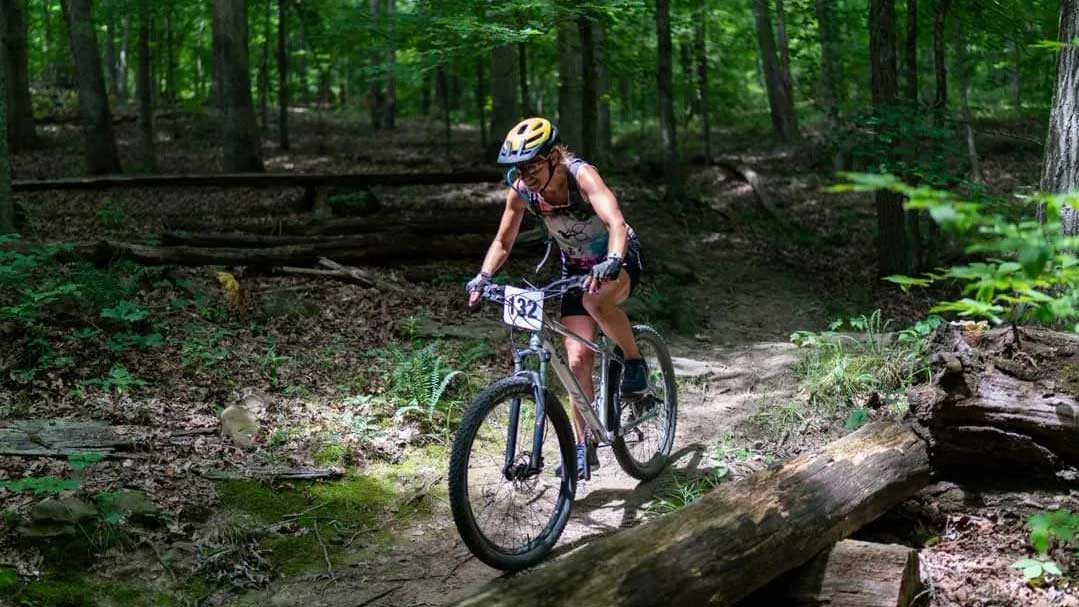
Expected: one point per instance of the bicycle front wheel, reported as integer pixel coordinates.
(510, 508)
(650, 419)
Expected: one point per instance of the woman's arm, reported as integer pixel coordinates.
(606, 207)
(508, 229)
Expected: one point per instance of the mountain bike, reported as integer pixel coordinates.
(513, 465)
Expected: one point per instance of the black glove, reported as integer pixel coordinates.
(478, 283)
(607, 270)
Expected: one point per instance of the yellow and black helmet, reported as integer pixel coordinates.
(530, 138)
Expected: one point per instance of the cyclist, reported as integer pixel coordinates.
(582, 216)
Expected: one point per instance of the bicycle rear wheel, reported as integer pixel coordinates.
(642, 451)
(509, 512)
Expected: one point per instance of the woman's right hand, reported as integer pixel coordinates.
(474, 288)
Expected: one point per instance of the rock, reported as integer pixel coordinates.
(239, 425)
(44, 531)
(62, 510)
(135, 506)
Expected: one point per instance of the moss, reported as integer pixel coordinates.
(354, 500)
(295, 554)
(332, 455)
(9, 581)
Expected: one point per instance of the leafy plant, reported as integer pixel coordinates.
(40, 485)
(270, 362)
(82, 461)
(1061, 525)
(204, 348)
(125, 312)
(1034, 570)
(681, 490)
(112, 214)
(118, 380)
(419, 380)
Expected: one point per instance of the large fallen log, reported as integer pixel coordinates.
(736, 538)
(388, 247)
(852, 574)
(1002, 402)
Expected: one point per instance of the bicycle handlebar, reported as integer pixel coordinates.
(496, 293)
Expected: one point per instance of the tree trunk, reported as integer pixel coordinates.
(701, 50)
(240, 138)
(1060, 171)
(738, 537)
(522, 78)
(940, 60)
(784, 118)
(991, 411)
(110, 51)
(122, 85)
(143, 84)
(264, 71)
(912, 51)
(689, 97)
(1016, 75)
(390, 113)
(966, 69)
(442, 90)
(603, 92)
(305, 85)
(892, 247)
(829, 73)
(376, 100)
(7, 202)
(589, 99)
(170, 54)
(282, 74)
(481, 103)
(425, 95)
(784, 49)
(570, 127)
(505, 110)
(852, 574)
(667, 127)
(16, 69)
(99, 143)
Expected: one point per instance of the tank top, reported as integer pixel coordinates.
(581, 235)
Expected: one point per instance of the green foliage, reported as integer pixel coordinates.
(1025, 270)
(1035, 570)
(205, 348)
(856, 419)
(665, 305)
(40, 485)
(118, 380)
(112, 214)
(837, 369)
(1060, 525)
(419, 380)
(125, 312)
(681, 490)
(82, 461)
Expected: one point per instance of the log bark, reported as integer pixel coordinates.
(852, 574)
(15, 68)
(737, 538)
(53, 438)
(1060, 171)
(337, 271)
(385, 247)
(1001, 407)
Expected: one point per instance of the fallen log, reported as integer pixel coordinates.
(337, 271)
(738, 537)
(753, 180)
(852, 574)
(272, 473)
(380, 248)
(1002, 402)
(61, 437)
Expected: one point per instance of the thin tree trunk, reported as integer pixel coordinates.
(99, 143)
(1016, 75)
(110, 51)
(425, 95)
(625, 99)
(481, 102)
(912, 51)
(240, 139)
(784, 48)
(700, 46)
(503, 93)
(170, 54)
(892, 247)
(1060, 172)
(144, 88)
(522, 78)
(376, 99)
(689, 96)
(603, 89)
(264, 71)
(966, 68)
(305, 85)
(830, 96)
(282, 73)
(443, 93)
(784, 118)
(569, 85)
(668, 129)
(122, 62)
(200, 73)
(589, 99)
(16, 70)
(390, 117)
(940, 61)
(7, 203)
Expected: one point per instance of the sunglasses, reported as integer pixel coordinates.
(532, 167)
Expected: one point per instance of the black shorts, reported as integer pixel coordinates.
(572, 304)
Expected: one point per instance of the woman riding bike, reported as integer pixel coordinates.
(582, 216)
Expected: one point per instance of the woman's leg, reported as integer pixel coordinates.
(580, 361)
(603, 306)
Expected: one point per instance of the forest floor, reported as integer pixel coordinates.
(321, 357)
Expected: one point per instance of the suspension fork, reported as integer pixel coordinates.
(539, 381)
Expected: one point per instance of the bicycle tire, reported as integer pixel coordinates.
(647, 337)
(485, 548)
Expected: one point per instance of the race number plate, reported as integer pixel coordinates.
(523, 309)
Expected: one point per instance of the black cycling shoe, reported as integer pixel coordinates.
(581, 455)
(634, 377)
